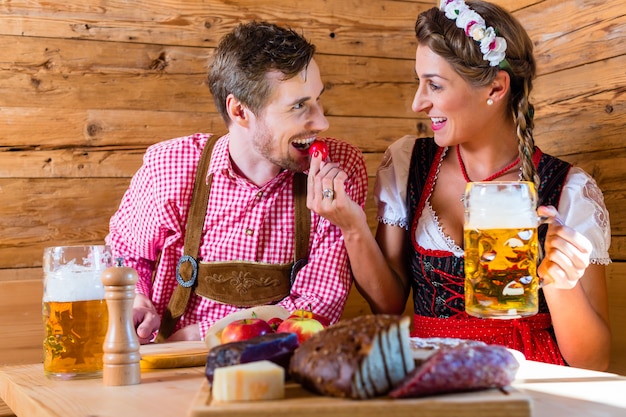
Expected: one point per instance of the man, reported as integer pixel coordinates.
(267, 88)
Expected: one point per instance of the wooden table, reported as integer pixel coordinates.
(554, 391)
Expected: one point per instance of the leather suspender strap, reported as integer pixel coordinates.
(193, 233)
(303, 221)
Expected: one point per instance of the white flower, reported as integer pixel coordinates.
(468, 18)
(443, 3)
(477, 32)
(496, 52)
(487, 39)
(454, 8)
(493, 47)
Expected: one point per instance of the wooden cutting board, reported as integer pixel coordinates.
(301, 403)
(173, 355)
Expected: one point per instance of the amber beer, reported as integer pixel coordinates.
(501, 249)
(74, 312)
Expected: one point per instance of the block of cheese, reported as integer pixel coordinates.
(254, 381)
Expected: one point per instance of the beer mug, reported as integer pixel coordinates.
(501, 249)
(74, 310)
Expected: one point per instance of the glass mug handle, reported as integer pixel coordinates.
(547, 280)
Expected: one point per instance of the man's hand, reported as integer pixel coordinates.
(145, 318)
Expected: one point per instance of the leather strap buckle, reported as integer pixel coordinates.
(194, 271)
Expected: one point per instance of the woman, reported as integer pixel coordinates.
(475, 66)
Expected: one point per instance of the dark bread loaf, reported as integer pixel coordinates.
(359, 358)
(275, 347)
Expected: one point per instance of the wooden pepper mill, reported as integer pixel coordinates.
(121, 345)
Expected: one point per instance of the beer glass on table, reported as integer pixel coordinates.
(74, 310)
(501, 249)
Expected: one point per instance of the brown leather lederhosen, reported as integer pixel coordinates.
(239, 283)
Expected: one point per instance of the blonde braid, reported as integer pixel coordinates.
(526, 141)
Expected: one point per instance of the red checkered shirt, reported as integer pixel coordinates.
(243, 222)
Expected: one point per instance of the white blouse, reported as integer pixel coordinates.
(581, 206)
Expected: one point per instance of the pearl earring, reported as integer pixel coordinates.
(489, 102)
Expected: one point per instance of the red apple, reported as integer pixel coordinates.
(303, 327)
(245, 329)
(319, 146)
(274, 322)
(307, 313)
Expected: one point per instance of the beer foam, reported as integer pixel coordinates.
(73, 284)
(500, 208)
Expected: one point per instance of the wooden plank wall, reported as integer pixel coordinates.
(86, 86)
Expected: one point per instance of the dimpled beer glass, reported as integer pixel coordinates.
(74, 310)
(501, 249)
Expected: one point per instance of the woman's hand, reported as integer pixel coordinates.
(566, 252)
(327, 196)
(579, 310)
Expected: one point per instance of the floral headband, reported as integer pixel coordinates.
(493, 47)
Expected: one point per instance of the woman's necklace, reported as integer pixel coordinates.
(489, 178)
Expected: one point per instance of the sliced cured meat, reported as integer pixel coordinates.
(359, 358)
(465, 368)
(424, 347)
